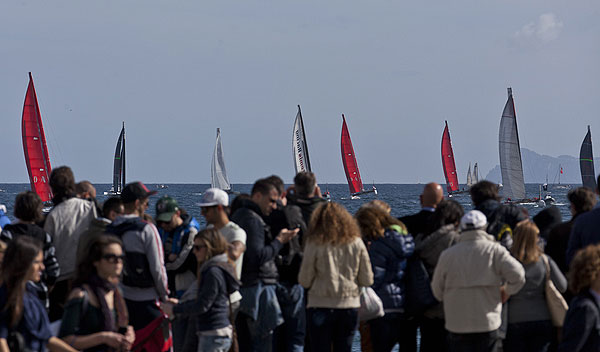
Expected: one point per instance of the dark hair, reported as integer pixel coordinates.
(236, 203)
(448, 211)
(18, 259)
(582, 198)
(305, 183)
(28, 206)
(482, 191)
(62, 182)
(277, 182)
(111, 204)
(95, 250)
(262, 186)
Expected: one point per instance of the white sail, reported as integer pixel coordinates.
(218, 174)
(299, 147)
(475, 173)
(469, 178)
(510, 153)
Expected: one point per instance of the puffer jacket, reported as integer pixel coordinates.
(388, 259)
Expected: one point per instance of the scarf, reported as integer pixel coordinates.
(100, 288)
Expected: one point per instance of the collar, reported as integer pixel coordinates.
(474, 235)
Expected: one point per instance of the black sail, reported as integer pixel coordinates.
(119, 164)
(586, 162)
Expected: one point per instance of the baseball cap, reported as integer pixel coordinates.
(134, 191)
(214, 196)
(165, 208)
(474, 219)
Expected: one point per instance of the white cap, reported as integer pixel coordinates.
(473, 220)
(214, 196)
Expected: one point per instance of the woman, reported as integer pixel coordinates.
(581, 330)
(335, 265)
(529, 322)
(22, 315)
(389, 247)
(216, 281)
(95, 316)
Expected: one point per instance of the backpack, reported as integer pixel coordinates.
(501, 222)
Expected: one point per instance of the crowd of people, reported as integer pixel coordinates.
(286, 270)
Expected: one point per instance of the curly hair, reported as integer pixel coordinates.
(373, 221)
(584, 268)
(525, 247)
(331, 223)
(378, 203)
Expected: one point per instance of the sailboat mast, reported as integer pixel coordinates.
(308, 168)
(123, 182)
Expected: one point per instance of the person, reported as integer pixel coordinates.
(144, 276)
(501, 218)
(581, 329)
(22, 315)
(545, 221)
(4, 220)
(216, 282)
(529, 322)
(306, 194)
(468, 281)
(336, 263)
(389, 246)
(586, 230)
(581, 199)
(66, 222)
(28, 211)
(96, 317)
(419, 223)
(85, 190)
(429, 247)
(260, 312)
(177, 229)
(378, 203)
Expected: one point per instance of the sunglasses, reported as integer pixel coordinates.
(113, 258)
(198, 247)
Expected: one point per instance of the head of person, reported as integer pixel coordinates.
(526, 242)
(112, 207)
(104, 259)
(473, 220)
(305, 184)
(62, 182)
(85, 190)
(331, 223)
(373, 221)
(238, 201)
(169, 215)
(265, 195)
(209, 243)
(23, 261)
(582, 199)
(584, 272)
(135, 197)
(377, 203)
(482, 191)
(28, 207)
(447, 212)
(214, 205)
(432, 195)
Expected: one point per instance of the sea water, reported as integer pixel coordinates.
(403, 198)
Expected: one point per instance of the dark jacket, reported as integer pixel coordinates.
(581, 330)
(586, 231)
(429, 248)
(419, 222)
(307, 205)
(546, 220)
(261, 246)
(502, 219)
(558, 240)
(388, 260)
(211, 306)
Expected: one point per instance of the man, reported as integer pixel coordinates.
(68, 220)
(420, 222)
(586, 230)
(306, 194)
(177, 230)
(144, 274)
(259, 311)
(85, 190)
(468, 280)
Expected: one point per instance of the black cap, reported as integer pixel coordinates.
(134, 191)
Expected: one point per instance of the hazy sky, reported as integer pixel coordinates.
(174, 71)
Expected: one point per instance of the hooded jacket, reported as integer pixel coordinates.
(546, 220)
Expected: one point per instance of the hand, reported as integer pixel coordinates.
(173, 300)
(172, 257)
(286, 235)
(503, 295)
(129, 338)
(113, 339)
(167, 308)
(318, 193)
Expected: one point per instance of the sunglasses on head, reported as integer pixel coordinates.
(113, 258)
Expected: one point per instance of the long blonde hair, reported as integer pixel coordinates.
(331, 223)
(526, 242)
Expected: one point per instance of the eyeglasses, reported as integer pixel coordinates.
(273, 200)
(113, 258)
(198, 247)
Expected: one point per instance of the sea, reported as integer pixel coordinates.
(403, 199)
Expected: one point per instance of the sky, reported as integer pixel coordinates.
(177, 70)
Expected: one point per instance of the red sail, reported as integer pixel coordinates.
(350, 165)
(34, 145)
(448, 162)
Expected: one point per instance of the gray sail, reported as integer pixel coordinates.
(586, 162)
(469, 177)
(299, 146)
(218, 174)
(475, 173)
(510, 153)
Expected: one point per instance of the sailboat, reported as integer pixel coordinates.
(299, 146)
(119, 166)
(34, 145)
(218, 173)
(448, 163)
(469, 177)
(586, 162)
(559, 185)
(475, 173)
(350, 166)
(510, 155)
